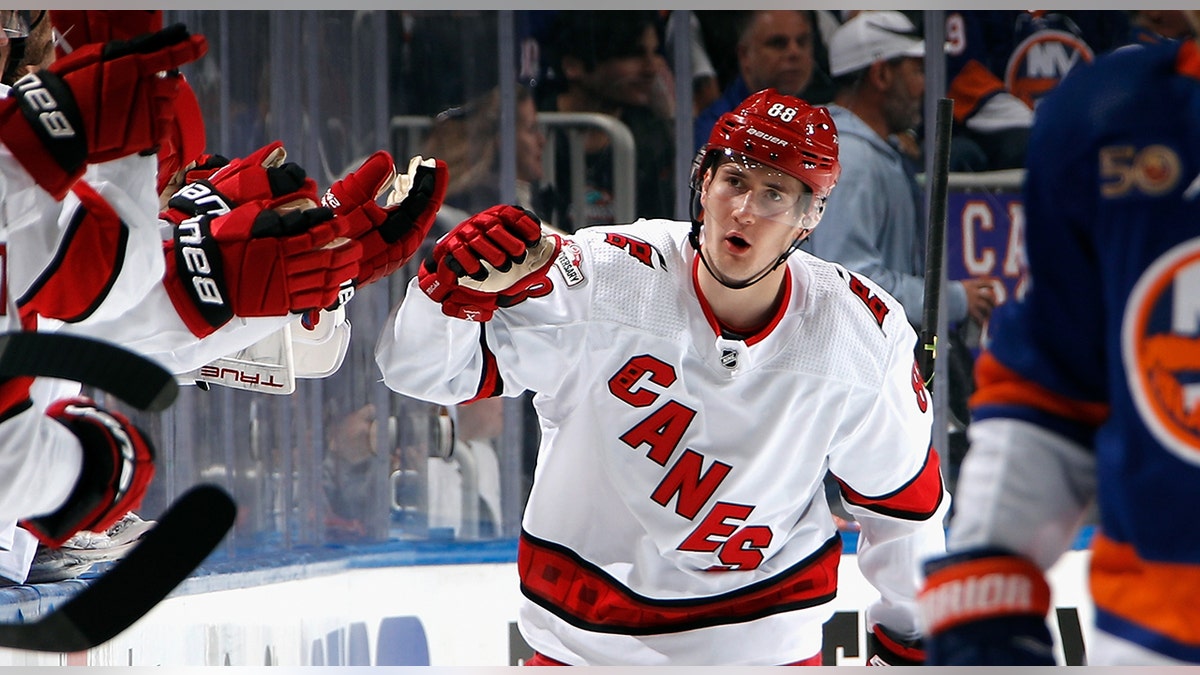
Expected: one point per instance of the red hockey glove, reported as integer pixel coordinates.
(100, 103)
(118, 464)
(78, 27)
(390, 234)
(184, 141)
(986, 608)
(884, 648)
(255, 261)
(218, 185)
(496, 258)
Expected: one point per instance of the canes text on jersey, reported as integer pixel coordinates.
(738, 547)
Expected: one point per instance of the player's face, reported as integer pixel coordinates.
(752, 214)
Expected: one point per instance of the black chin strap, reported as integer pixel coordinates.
(694, 238)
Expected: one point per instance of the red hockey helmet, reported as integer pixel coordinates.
(782, 132)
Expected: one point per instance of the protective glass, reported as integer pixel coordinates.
(765, 191)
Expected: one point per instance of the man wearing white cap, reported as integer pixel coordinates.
(877, 63)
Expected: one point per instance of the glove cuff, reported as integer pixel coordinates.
(118, 464)
(48, 136)
(981, 585)
(194, 277)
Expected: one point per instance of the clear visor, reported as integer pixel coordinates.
(761, 190)
(14, 25)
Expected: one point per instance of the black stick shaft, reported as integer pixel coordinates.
(935, 239)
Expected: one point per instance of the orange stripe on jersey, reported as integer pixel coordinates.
(918, 499)
(970, 87)
(1188, 61)
(1162, 597)
(999, 385)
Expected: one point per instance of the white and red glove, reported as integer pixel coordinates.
(389, 234)
(261, 259)
(497, 258)
(986, 607)
(100, 103)
(118, 464)
(217, 185)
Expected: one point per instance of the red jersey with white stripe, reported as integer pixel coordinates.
(677, 515)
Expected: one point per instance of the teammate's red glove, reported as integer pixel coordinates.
(884, 648)
(255, 261)
(78, 27)
(389, 234)
(217, 185)
(101, 102)
(986, 608)
(118, 463)
(494, 259)
(184, 140)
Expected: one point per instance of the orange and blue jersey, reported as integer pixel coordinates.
(1021, 52)
(1104, 348)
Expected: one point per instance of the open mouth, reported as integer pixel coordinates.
(736, 243)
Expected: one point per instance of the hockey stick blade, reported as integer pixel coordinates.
(134, 379)
(185, 535)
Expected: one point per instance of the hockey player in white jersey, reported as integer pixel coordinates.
(85, 256)
(68, 464)
(694, 382)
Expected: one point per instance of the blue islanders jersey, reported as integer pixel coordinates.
(1104, 348)
(1025, 53)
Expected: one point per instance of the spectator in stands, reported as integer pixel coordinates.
(467, 138)
(609, 62)
(351, 457)
(1000, 62)
(877, 61)
(775, 49)
(463, 44)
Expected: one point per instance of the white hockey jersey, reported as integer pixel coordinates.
(40, 458)
(115, 295)
(677, 515)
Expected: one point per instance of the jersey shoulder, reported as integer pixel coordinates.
(638, 273)
(854, 316)
(1101, 95)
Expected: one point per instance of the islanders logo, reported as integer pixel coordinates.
(1160, 343)
(1038, 63)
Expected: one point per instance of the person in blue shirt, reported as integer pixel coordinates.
(775, 50)
(877, 61)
